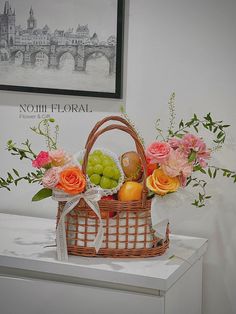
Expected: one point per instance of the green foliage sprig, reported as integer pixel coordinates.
(213, 171)
(202, 196)
(15, 178)
(216, 128)
(132, 124)
(172, 114)
(25, 152)
(43, 129)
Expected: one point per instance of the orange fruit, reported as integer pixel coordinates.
(130, 191)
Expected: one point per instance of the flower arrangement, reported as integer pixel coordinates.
(172, 161)
(121, 184)
(54, 168)
(175, 160)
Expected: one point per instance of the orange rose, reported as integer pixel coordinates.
(162, 184)
(72, 181)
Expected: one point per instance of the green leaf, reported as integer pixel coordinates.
(179, 135)
(42, 194)
(195, 203)
(192, 156)
(181, 124)
(209, 172)
(203, 171)
(10, 177)
(189, 180)
(226, 170)
(220, 135)
(200, 197)
(197, 168)
(16, 172)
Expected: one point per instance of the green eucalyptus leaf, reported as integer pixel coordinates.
(42, 194)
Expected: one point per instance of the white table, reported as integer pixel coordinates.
(32, 281)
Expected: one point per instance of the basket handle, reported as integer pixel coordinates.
(103, 121)
(92, 139)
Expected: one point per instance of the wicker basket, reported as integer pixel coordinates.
(129, 232)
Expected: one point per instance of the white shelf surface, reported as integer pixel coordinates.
(23, 242)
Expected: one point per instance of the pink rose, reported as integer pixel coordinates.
(177, 164)
(42, 160)
(158, 152)
(51, 178)
(59, 157)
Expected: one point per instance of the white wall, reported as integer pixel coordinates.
(185, 46)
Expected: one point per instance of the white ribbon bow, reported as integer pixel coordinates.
(91, 197)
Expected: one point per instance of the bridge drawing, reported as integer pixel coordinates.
(54, 52)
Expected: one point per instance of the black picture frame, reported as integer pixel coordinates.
(117, 94)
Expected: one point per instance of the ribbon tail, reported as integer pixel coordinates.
(62, 254)
(99, 237)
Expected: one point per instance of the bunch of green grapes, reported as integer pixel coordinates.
(102, 170)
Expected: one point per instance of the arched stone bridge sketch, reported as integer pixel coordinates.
(80, 53)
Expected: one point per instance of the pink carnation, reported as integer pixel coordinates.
(177, 165)
(158, 152)
(174, 143)
(192, 142)
(59, 157)
(51, 178)
(43, 159)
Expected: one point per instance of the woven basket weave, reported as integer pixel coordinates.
(127, 234)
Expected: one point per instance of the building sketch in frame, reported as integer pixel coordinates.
(62, 46)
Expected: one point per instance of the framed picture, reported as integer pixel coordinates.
(69, 47)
